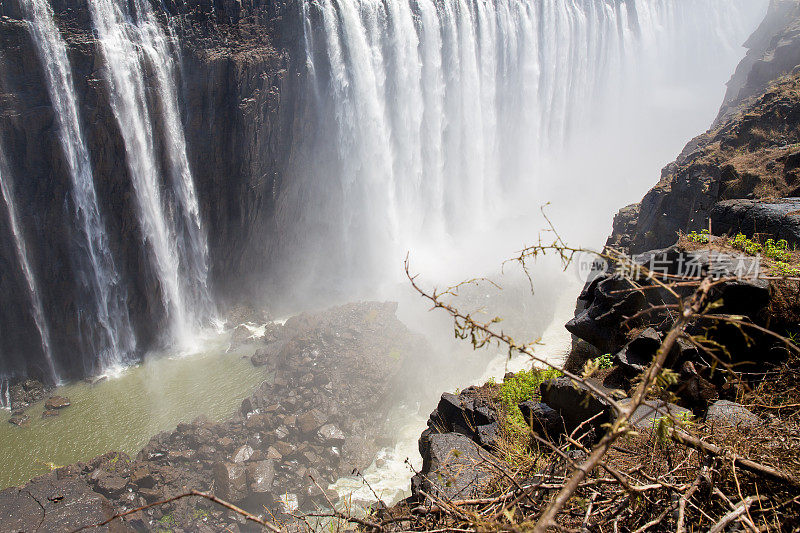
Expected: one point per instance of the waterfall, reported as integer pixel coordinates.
(106, 296)
(134, 45)
(22, 256)
(434, 118)
(5, 394)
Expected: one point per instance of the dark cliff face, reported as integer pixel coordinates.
(751, 152)
(236, 96)
(239, 91)
(773, 50)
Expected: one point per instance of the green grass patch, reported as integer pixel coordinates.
(522, 387)
(700, 238)
(778, 251)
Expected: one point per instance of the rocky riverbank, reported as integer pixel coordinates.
(320, 415)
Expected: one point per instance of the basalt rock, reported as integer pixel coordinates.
(26, 392)
(230, 481)
(576, 404)
(52, 504)
(287, 430)
(778, 218)
(452, 468)
(638, 353)
(542, 418)
(20, 420)
(56, 402)
(650, 412)
(260, 476)
(724, 413)
(609, 303)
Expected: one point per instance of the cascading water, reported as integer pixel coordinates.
(5, 394)
(37, 309)
(109, 336)
(133, 43)
(434, 119)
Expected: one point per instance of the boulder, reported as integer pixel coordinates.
(637, 355)
(311, 421)
(648, 414)
(288, 502)
(488, 435)
(453, 411)
(109, 484)
(230, 481)
(542, 418)
(606, 302)
(576, 403)
(460, 413)
(49, 413)
(724, 413)
(143, 478)
(56, 402)
(260, 476)
(453, 467)
(284, 448)
(246, 407)
(242, 454)
(268, 354)
(151, 495)
(693, 390)
(330, 435)
(241, 335)
(206, 452)
(20, 420)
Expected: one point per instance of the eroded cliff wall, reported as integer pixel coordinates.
(236, 97)
(750, 153)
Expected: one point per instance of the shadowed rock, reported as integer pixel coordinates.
(542, 419)
(454, 467)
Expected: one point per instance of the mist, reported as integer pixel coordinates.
(455, 134)
(440, 130)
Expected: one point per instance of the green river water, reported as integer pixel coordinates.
(123, 412)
